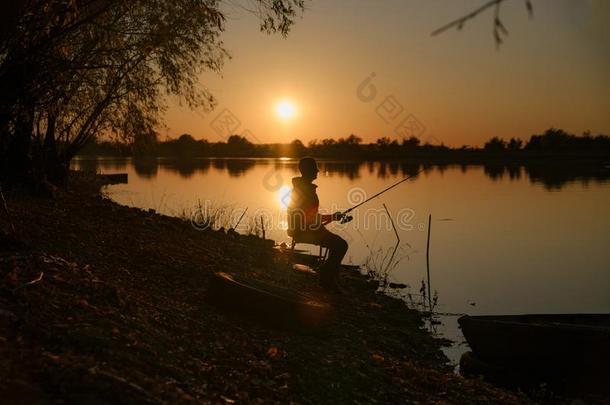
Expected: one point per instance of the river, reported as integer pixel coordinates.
(504, 239)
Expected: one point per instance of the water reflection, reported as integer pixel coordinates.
(146, 167)
(186, 167)
(102, 164)
(558, 175)
(350, 170)
(553, 176)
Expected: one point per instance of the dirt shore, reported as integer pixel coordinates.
(101, 303)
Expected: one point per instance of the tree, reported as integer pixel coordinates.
(553, 139)
(385, 142)
(144, 143)
(352, 140)
(514, 144)
(495, 144)
(328, 142)
(71, 69)
(297, 148)
(239, 146)
(412, 143)
(236, 141)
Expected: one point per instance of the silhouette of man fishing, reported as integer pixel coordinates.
(307, 225)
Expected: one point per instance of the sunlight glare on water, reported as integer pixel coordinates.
(283, 196)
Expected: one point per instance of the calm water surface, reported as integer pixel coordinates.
(504, 240)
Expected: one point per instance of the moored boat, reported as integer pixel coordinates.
(549, 342)
(267, 303)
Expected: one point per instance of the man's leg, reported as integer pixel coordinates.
(337, 247)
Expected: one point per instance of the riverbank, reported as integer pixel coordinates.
(101, 301)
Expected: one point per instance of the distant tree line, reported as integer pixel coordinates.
(551, 142)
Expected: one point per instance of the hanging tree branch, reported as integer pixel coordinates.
(499, 30)
(6, 211)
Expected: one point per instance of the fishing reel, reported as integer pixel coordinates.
(346, 218)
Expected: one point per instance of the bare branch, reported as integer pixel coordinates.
(459, 23)
(499, 29)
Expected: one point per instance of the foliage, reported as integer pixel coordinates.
(495, 144)
(71, 69)
(514, 144)
(559, 140)
(380, 264)
(210, 216)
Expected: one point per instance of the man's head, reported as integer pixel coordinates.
(308, 168)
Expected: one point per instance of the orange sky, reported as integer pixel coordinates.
(454, 88)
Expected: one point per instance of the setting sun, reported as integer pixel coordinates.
(285, 110)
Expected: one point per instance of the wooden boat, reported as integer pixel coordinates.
(266, 303)
(540, 341)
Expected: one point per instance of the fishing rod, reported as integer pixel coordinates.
(347, 218)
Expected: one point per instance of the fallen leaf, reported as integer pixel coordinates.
(227, 400)
(273, 352)
(377, 357)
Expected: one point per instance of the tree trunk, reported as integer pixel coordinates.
(54, 168)
(19, 159)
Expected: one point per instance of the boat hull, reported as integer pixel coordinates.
(268, 304)
(540, 341)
